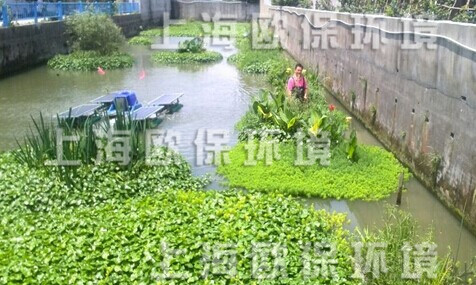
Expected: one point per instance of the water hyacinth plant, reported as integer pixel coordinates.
(131, 242)
(172, 57)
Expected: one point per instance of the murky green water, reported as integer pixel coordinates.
(216, 96)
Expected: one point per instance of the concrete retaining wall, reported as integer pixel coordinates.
(152, 11)
(420, 102)
(26, 46)
(130, 24)
(195, 10)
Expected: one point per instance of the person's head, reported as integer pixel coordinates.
(298, 69)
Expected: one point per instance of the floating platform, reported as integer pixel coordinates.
(125, 100)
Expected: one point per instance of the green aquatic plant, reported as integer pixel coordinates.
(173, 57)
(89, 61)
(316, 123)
(192, 29)
(38, 145)
(273, 110)
(374, 176)
(140, 40)
(255, 61)
(400, 233)
(144, 240)
(194, 45)
(43, 189)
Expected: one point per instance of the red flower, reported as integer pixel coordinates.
(331, 107)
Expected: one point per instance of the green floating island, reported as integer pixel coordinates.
(128, 243)
(186, 57)
(90, 60)
(189, 29)
(374, 176)
(189, 51)
(141, 40)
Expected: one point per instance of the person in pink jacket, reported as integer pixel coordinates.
(297, 85)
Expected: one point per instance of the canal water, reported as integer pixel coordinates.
(216, 96)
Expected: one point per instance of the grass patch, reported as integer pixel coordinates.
(90, 60)
(374, 176)
(122, 243)
(173, 57)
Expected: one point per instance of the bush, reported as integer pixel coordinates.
(90, 60)
(427, 8)
(293, 3)
(187, 57)
(94, 32)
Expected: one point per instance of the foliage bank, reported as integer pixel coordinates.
(95, 40)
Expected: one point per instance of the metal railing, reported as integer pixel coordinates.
(55, 11)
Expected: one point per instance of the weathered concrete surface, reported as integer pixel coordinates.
(130, 24)
(230, 10)
(152, 11)
(421, 103)
(26, 46)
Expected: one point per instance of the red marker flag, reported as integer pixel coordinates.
(101, 71)
(142, 74)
